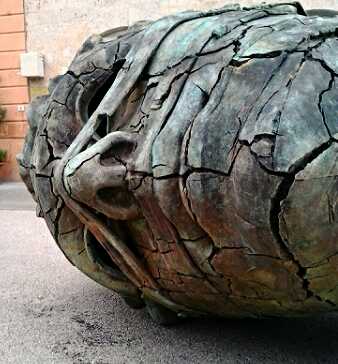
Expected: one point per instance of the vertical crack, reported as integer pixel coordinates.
(320, 103)
(276, 209)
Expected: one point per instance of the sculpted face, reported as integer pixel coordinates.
(191, 163)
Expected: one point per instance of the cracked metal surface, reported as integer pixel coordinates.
(192, 162)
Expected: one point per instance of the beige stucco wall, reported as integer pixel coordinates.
(56, 28)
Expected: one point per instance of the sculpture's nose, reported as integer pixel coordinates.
(97, 177)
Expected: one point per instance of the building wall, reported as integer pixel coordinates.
(56, 29)
(13, 87)
(75, 20)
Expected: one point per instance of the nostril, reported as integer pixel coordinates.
(117, 203)
(115, 196)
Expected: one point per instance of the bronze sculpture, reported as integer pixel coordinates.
(190, 164)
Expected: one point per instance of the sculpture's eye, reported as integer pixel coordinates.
(103, 88)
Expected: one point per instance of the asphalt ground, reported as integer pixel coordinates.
(52, 313)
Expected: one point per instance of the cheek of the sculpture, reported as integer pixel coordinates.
(191, 164)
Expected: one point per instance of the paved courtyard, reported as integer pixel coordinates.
(51, 313)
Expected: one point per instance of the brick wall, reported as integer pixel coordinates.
(13, 87)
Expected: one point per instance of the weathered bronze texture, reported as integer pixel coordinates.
(191, 163)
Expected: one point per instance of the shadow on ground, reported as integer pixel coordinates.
(109, 323)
